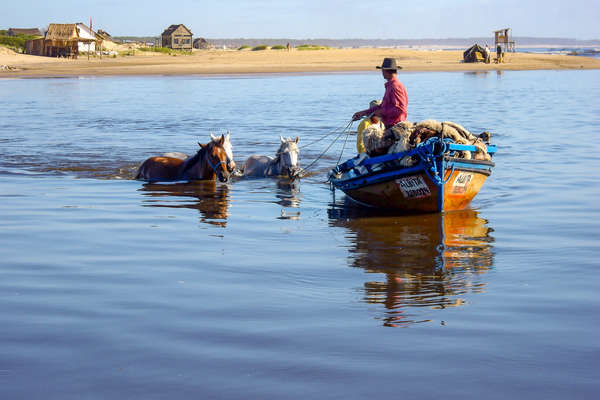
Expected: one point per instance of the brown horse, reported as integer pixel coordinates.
(209, 163)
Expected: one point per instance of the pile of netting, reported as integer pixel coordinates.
(405, 136)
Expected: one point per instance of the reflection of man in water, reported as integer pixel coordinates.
(426, 261)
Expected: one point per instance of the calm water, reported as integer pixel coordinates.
(112, 288)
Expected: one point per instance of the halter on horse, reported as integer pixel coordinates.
(285, 161)
(228, 150)
(209, 163)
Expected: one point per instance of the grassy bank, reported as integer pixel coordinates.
(16, 43)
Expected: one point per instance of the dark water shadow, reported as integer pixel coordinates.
(210, 198)
(429, 260)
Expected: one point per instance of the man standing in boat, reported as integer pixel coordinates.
(393, 108)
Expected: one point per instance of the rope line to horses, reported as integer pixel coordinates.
(305, 170)
(343, 147)
(336, 130)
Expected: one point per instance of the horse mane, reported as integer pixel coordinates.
(190, 162)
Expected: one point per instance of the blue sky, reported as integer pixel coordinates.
(305, 19)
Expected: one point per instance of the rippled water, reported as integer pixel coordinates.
(263, 288)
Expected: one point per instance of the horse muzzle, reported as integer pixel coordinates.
(223, 177)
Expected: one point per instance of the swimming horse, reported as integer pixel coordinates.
(285, 161)
(209, 163)
(226, 145)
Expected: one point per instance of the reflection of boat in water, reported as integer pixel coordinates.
(208, 197)
(428, 260)
(438, 181)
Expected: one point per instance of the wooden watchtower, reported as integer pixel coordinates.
(502, 37)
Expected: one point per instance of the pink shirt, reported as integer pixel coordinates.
(394, 104)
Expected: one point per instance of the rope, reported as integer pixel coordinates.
(305, 170)
(326, 135)
(343, 148)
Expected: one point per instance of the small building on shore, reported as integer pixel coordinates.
(201, 43)
(64, 40)
(87, 38)
(177, 37)
(503, 38)
(24, 31)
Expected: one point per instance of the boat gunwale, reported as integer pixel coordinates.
(479, 166)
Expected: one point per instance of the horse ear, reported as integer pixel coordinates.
(282, 139)
(201, 145)
(296, 141)
(212, 137)
(227, 136)
(221, 140)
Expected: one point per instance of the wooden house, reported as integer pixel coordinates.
(177, 37)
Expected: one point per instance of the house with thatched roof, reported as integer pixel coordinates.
(61, 40)
(24, 31)
(64, 40)
(177, 37)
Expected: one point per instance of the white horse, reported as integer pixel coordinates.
(285, 161)
(226, 145)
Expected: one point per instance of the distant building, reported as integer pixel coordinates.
(24, 31)
(103, 34)
(64, 40)
(177, 37)
(87, 38)
(201, 43)
(503, 38)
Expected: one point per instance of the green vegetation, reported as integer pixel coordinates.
(244, 47)
(16, 43)
(164, 50)
(278, 47)
(260, 47)
(312, 47)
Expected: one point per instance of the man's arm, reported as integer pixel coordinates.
(373, 110)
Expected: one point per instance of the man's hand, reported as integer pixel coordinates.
(358, 115)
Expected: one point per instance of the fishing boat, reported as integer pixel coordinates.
(438, 179)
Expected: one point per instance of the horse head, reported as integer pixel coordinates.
(228, 149)
(216, 157)
(288, 156)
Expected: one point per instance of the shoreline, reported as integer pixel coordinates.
(233, 63)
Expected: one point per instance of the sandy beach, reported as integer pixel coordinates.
(226, 62)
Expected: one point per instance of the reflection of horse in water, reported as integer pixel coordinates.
(428, 260)
(287, 193)
(210, 199)
(209, 163)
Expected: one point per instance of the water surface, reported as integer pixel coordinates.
(263, 288)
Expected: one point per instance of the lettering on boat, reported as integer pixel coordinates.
(413, 187)
(461, 182)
